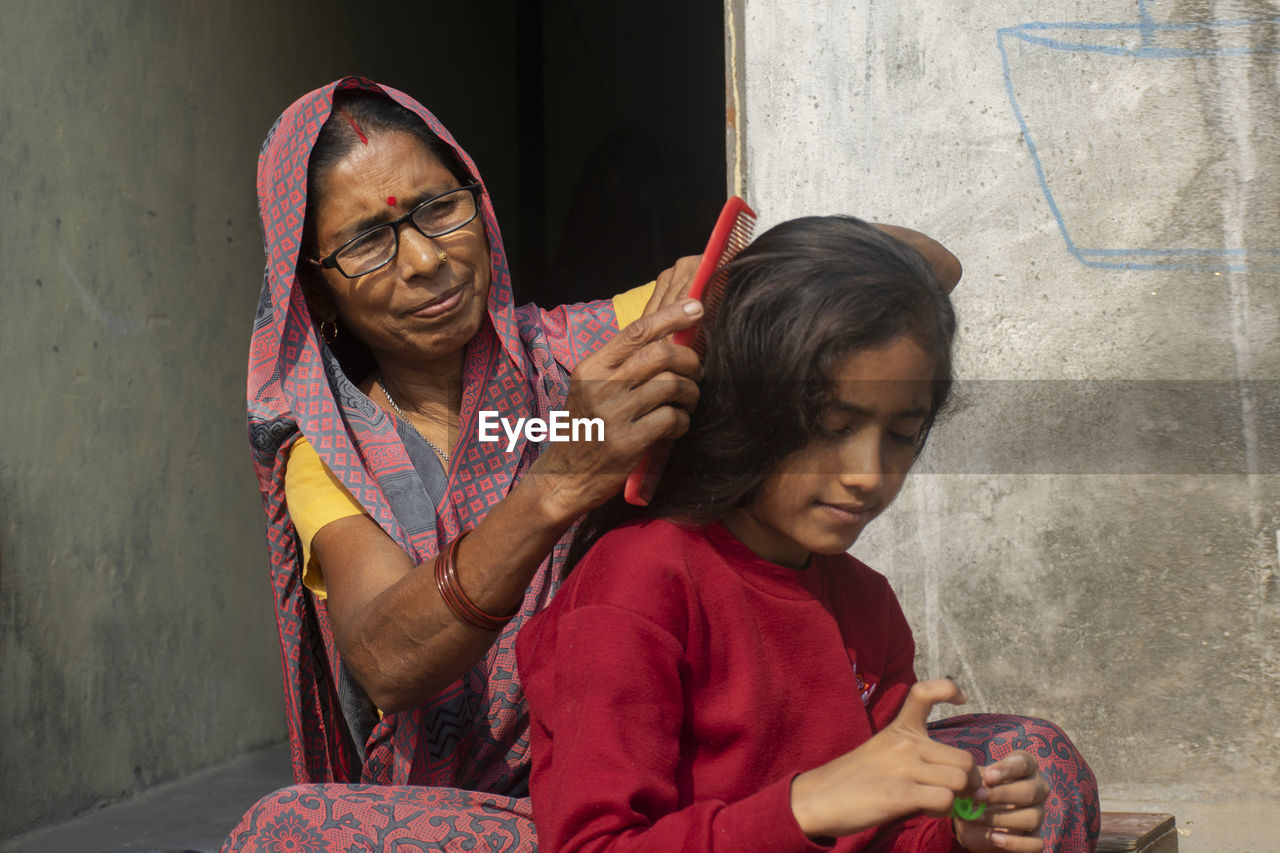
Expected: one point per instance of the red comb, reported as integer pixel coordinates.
(731, 235)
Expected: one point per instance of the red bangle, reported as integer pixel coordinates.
(456, 600)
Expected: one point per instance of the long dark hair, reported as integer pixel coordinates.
(800, 298)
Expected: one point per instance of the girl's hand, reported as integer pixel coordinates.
(1015, 793)
(643, 387)
(899, 771)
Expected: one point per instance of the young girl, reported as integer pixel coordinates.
(717, 674)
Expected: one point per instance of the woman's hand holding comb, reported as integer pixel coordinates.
(673, 283)
(642, 387)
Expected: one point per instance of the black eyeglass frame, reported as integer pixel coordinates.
(330, 261)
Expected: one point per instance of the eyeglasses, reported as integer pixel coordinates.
(375, 248)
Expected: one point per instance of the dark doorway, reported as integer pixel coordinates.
(625, 106)
(598, 127)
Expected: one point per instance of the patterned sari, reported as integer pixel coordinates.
(474, 734)
(452, 774)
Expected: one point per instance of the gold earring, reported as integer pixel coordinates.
(444, 258)
(330, 334)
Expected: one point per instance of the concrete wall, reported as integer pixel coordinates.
(1138, 608)
(1098, 551)
(136, 637)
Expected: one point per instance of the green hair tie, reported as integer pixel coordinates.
(965, 809)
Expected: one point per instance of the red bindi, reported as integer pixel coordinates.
(391, 200)
(356, 128)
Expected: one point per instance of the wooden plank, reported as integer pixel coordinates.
(1137, 832)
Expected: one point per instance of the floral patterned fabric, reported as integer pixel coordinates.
(359, 818)
(349, 818)
(1072, 816)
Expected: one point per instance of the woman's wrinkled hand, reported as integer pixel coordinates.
(642, 387)
(1014, 791)
(673, 283)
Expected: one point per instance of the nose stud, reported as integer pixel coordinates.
(444, 258)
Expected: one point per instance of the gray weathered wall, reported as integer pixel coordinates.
(1103, 553)
(136, 637)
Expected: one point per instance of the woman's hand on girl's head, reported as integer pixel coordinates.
(897, 772)
(946, 266)
(644, 388)
(1015, 792)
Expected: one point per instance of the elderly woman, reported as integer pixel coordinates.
(407, 550)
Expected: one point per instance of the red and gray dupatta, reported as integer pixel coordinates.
(473, 735)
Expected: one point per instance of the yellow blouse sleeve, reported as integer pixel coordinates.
(628, 306)
(315, 497)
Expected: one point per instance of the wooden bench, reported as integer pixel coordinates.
(1136, 832)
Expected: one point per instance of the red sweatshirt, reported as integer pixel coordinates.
(678, 683)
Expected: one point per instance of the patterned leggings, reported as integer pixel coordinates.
(1072, 817)
(361, 818)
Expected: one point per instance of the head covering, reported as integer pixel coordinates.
(474, 734)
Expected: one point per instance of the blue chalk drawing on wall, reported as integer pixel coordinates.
(1142, 40)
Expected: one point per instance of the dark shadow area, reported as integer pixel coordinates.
(634, 158)
(599, 128)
